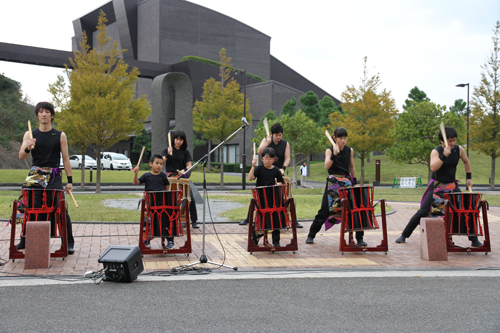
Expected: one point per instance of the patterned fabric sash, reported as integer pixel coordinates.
(439, 189)
(335, 182)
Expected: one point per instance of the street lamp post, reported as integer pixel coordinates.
(244, 156)
(463, 85)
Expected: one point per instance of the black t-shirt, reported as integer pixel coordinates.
(177, 161)
(447, 172)
(47, 149)
(341, 162)
(265, 176)
(154, 182)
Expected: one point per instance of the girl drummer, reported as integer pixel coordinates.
(177, 161)
(339, 162)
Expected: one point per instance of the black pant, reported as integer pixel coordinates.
(424, 210)
(322, 216)
(192, 209)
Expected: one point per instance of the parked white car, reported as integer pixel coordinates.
(76, 162)
(115, 161)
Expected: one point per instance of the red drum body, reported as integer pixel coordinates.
(463, 212)
(271, 207)
(162, 214)
(43, 205)
(360, 214)
(163, 209)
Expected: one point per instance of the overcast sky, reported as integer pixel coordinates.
(430, 44)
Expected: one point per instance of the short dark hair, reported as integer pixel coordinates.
(181, 135)
(450, 133)
(269, 151)
(46, 106)
(154, 157)
(339, 132)
(276, 128)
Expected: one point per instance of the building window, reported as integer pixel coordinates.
(125, 152)
(231, 154)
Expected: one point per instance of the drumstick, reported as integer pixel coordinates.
(443, 133)
(330, 138)
(254, 149)
(31, 133)
(169, 142)
(470, 189)
(140, 157)
(276, 181)
(72, 197)
(266, 126)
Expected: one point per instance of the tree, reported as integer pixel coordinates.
(485, 118)
(310, 105)
(290, 107)
(415, 96)
(459, 107)
(219, 112)
(368, 116)
(416, 133)
(142, 140)
(101, 109)
(14, 112)
(303, 136)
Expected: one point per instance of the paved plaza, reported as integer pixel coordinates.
(227, 243)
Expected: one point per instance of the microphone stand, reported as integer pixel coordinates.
(203, 160)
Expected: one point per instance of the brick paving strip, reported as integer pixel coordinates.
(231, 241)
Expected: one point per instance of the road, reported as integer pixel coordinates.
(274, 301)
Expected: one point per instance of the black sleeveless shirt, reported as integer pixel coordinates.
(280, 152)
(47, 151)
(447, 172)
(341, 162)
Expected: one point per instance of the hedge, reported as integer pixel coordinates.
(230, 167)
(217, 64)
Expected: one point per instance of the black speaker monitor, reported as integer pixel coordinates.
(123, 263)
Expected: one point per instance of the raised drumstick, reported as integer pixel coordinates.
(169, 142)
(266, 126)
(140, 157)
(330, 138)
(443, 133)
(72, 197)
(31, 133)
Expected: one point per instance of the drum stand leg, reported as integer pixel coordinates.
(203, 257)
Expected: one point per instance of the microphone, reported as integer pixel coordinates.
(244, 120)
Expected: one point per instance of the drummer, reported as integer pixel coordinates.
(177, 160)
(282, 149)
(46, 148)
(339, 161)
(266, 175)
(444, 161)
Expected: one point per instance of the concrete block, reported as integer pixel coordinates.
(433, 239)
(37, 253)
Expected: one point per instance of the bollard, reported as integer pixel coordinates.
(91, 174)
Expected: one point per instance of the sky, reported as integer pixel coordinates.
(434, 45)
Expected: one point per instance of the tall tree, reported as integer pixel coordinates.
(485, 118)
(416, 133)
(14, 112)
(368, 116)
(303, 136)
(415, 96)
(310, 105)
(290, 107)
(102, 108)
(219, 112)
(459, 107)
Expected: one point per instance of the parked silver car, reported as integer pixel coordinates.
(115, 161)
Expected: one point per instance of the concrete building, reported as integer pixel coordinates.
(164, 31)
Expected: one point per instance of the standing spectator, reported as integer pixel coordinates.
(303, 174)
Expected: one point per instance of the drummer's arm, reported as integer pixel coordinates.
(65, 156)
(352, 169)
(251, 172)
(136, 171)
(286, 163)
(263, 144)
(328, 159)
(467, 166)
(27, 143)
